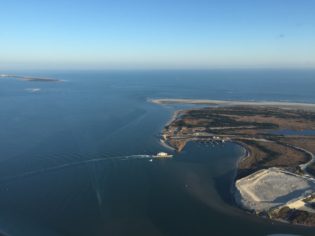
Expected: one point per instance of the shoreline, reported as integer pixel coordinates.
(245, 155)
(297, 105)
(248, 125)
(163, 141)
(164, 144)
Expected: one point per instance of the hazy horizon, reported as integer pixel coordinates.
(141, 34)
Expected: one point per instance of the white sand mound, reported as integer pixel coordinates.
(272, 187)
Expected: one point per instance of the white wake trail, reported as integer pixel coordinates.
(72, 164)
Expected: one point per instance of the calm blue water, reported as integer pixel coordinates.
(71, 164)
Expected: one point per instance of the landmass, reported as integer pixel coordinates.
(29, 78)
(166, 101)
(275, 177)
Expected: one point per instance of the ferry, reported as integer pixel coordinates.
(163, 155)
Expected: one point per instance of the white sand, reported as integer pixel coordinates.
(233, 103)
(272, 187)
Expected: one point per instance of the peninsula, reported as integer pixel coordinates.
(275, 178)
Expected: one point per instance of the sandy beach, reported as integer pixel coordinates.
(295, 105)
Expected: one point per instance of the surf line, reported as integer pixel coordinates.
(72, 164)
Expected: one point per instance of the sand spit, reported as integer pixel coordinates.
(296, 105)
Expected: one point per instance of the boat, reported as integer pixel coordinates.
(162, 155)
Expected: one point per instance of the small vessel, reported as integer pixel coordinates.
(163, 155)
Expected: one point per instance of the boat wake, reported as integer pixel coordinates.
(76, 163)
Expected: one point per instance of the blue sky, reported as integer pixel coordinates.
(111, 34)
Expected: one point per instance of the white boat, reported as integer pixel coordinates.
(163, 155)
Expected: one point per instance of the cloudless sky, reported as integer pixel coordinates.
(157, 34)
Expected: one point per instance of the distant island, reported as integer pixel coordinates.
(29, 78)
(275, 177)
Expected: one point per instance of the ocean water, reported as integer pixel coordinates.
(73, 155)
